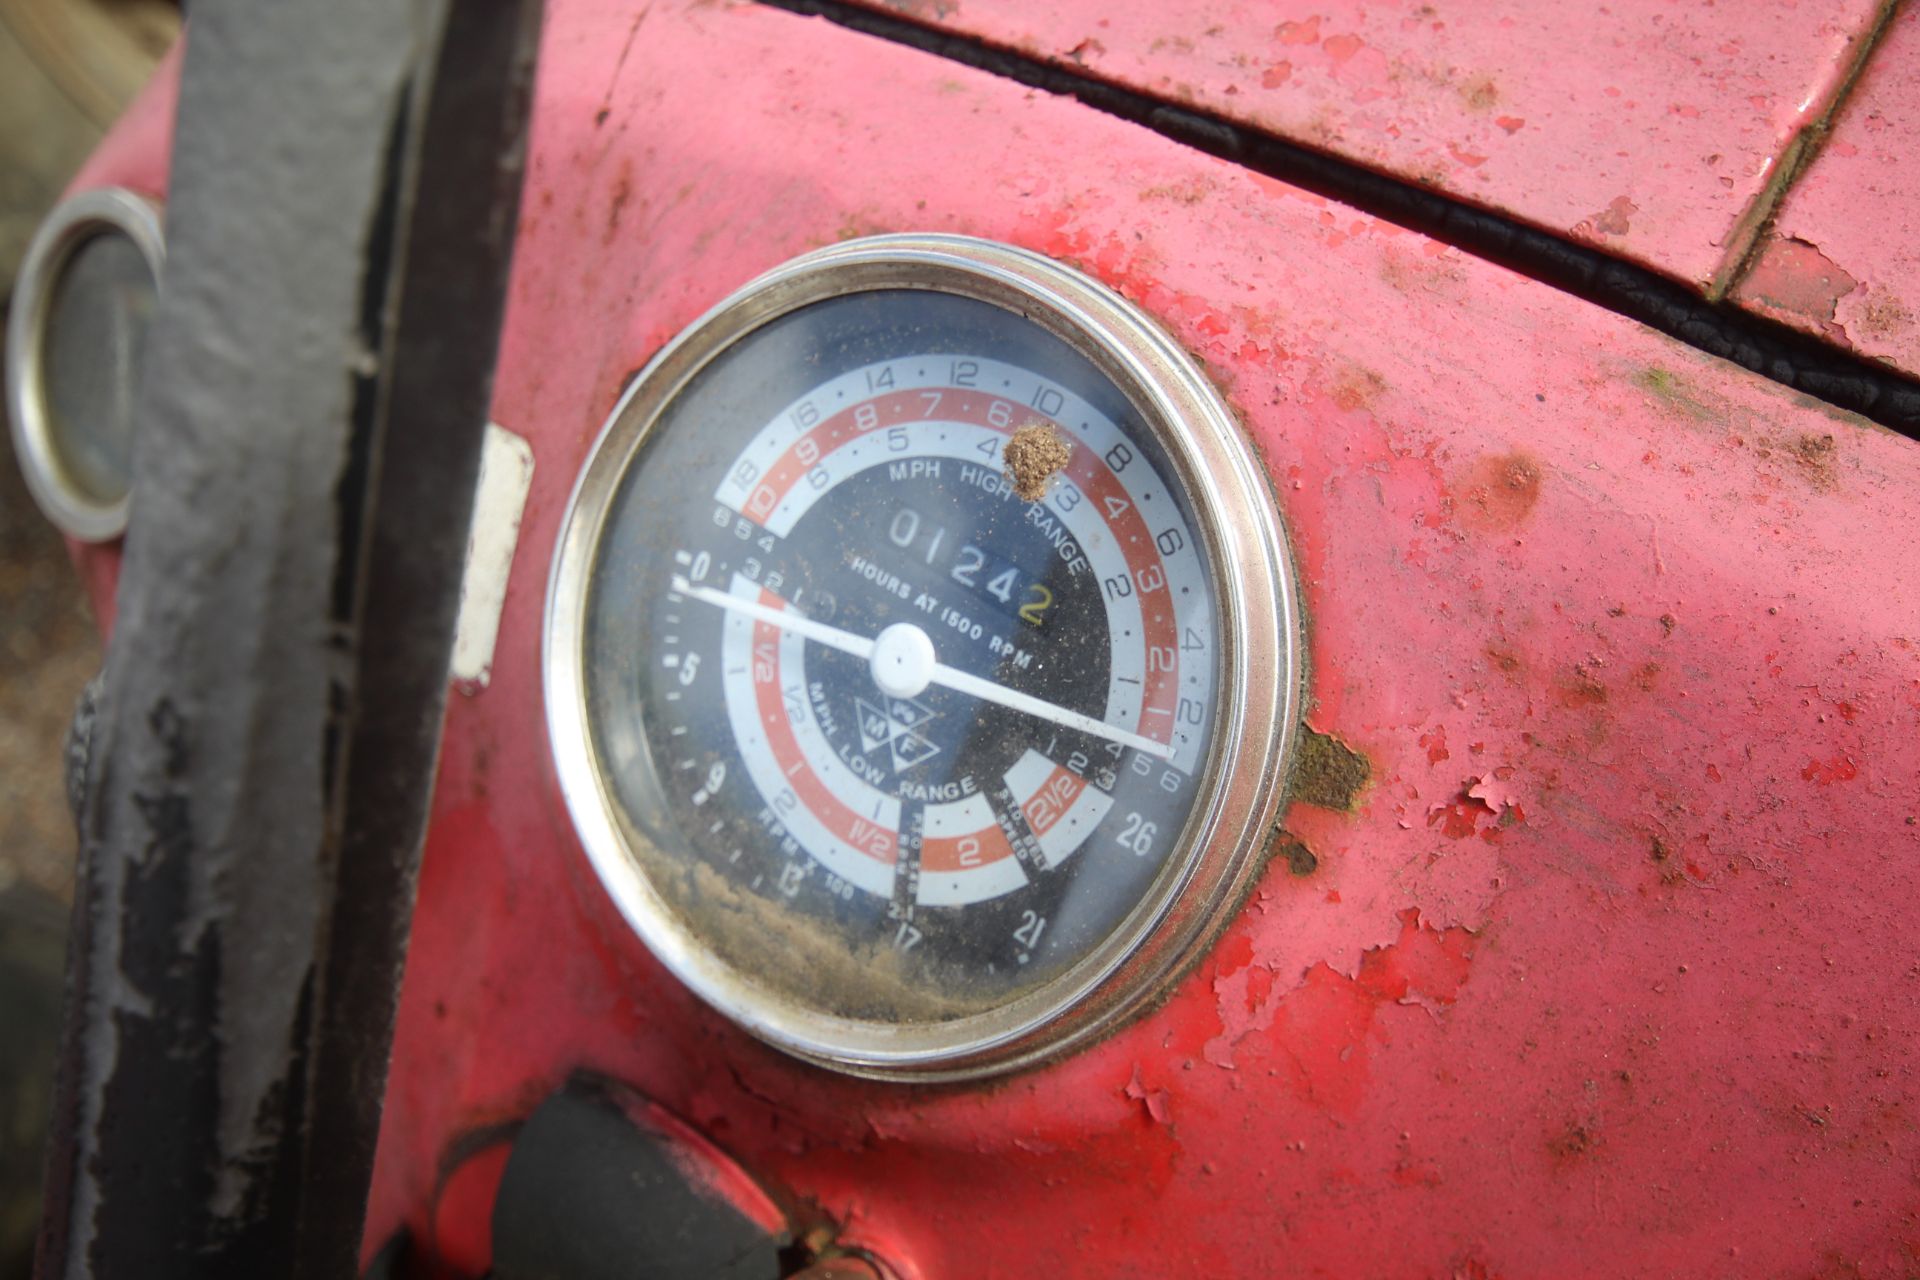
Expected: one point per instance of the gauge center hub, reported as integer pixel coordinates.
(902, 661)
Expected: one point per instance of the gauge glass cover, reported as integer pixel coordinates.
(900, 769)
(95, 338)
(76, 336)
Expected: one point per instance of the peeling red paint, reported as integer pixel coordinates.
(1087, 49)
(1460, 817)
(1496, 790)
(1155, 1102)
(1234, 953)
(1793, 281)
(1307, 32)
(1341, 48)
(1318, 1036)
(1614, 220)
(1828, 772)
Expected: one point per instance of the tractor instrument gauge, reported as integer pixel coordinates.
(76, 334)
(922, 658)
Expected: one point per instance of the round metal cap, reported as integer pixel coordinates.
(81, 309)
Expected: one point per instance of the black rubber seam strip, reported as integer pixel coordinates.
(1770, 349)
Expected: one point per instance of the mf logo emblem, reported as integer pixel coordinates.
(894, 726)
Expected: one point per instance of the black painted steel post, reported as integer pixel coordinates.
(340, 221)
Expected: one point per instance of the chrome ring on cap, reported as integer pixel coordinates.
(76, 222)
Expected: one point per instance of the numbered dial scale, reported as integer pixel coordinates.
(922, 657)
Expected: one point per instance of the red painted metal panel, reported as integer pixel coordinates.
(1843, 257)
(1645, 127)
(1607, 971)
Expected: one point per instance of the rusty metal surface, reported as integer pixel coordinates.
(340, 208)
(1647, 128)
(1595, 969)
(1841, 259)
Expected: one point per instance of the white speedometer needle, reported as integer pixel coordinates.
(935, 673)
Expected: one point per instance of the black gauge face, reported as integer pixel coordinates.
(903, 745)
(921, 658)
(96, 332)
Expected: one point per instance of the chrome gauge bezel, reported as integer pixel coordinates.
(1258, 668)
(72, 224)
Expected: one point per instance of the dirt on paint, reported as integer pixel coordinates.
(1189, 193)
(1884, 316)
(1327, 772)
(1033, 457)
(1292, 850)
(1614, 220)
(1480, 93)
(925, 10)
(1676, 393)
(1580, 687)
(1672, 869)
(1577, 1140)
(622, 196)
(1498, 491)
(1357, 388)
(1815, 453)
(804, 959)
(1506, 660)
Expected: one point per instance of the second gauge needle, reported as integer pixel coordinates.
(941, 674)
